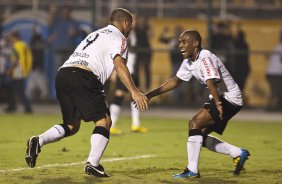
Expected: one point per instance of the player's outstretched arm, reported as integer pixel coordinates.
(169, 85)
(122, 71)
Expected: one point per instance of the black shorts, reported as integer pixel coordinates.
(120, 86)
(229, 110)
(81, 95)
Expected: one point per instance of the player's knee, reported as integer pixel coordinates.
(70, 129)
(109, 124)
(119, 92)
(66, 129)
(117, 100)
(105, 122)
(194, 124)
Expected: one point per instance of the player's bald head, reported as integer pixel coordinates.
(193, 35)
(120, 14)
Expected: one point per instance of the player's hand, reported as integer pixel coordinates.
(220, 109)
(141, 101)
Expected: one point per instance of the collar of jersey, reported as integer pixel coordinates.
(115, 28)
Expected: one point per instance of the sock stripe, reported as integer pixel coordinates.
(193, 132)
(102, 131)
(66, 128)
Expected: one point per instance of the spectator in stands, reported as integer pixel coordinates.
(241, 57)
(274, 76)
(64, 32)
(37, 85)
(5, 60)
(1, 22)
(222, 43)
(172, 41)
(20, 67)
(62, 39)
(144, 51)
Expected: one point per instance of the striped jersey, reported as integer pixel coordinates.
(98, 50)
(208, 66)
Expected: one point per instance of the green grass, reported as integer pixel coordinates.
(166, 140)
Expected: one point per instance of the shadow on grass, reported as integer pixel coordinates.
(69, 180)
(140, 174)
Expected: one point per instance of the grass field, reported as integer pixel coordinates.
(163, 149)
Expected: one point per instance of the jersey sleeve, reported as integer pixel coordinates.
(209, 68)
(119, 47)
(183, 73)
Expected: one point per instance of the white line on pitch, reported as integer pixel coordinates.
(79, 163)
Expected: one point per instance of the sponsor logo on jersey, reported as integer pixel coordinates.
(123, 46)
(80, 54)
(214, 68)
(78, 62)
(207, 67)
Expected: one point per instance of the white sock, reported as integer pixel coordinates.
(98, 145)
(115, 111)
(135, 114)
(214, 144)
(194, 145)
(54, 134)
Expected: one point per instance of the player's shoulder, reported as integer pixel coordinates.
(208, 56)
(205, 53)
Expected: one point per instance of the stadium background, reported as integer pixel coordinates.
(260, 19)
(255, 129)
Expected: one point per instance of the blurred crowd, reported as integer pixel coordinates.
(28, 68)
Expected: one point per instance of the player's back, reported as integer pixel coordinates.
(97, 51)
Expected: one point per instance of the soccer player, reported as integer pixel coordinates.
(213, 116)
(121, 90)
(79, 88)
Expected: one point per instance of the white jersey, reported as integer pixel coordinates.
(98, 50)
(208, 66)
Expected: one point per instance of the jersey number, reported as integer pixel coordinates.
(90, 41)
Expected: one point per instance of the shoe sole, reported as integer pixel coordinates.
(32, 152)
(176, 177)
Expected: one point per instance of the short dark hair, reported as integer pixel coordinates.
(195, 35)
(15, 34)
(120, 14)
